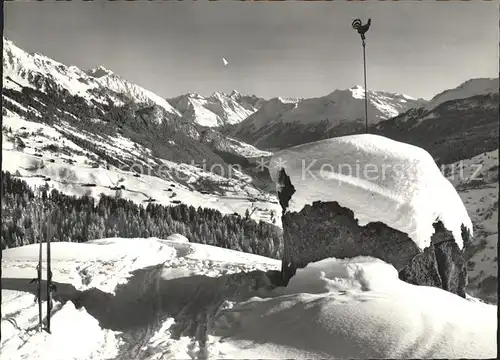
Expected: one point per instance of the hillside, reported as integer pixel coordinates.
(87, 134)
(476, 180)
(472, 87)
(453, 130)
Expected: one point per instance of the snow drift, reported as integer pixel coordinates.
(152, 297)
(354, 309)
(379, 179)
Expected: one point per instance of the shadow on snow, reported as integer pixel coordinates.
(139, 307)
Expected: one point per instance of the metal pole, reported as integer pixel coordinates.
(362, 29)
(366, 91)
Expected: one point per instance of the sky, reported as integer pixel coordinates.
(289, 49)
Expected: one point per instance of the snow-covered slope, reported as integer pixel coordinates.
(154, 299)
(458, 124)
(103, 92)
(138, 94)
(465, 90)
(379, 179)
(52, 155)
(271, 111)
(477, 182)
(279, 120)
(101, 85)
(34, 70)
(217, 110)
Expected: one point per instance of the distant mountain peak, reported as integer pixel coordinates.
(218, 94)
(218, 109)
(284, 122)
(193, 95)
(358, 92)
(287, 100)
(100, 71)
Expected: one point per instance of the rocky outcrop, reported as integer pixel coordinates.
(326, 229)
(441, 265)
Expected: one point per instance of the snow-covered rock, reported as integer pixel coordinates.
(49, 126)
(379, 179)
(366, 195)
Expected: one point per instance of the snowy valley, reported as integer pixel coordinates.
(167, 219)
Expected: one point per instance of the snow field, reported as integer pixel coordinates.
(180, 300)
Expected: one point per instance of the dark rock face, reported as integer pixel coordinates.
(287, 190)
(284, 196)
(441, 265)
(422, 270)
(326, 229)
(449, 268)
(330, 230)
(452, 267)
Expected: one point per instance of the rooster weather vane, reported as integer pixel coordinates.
(362, 29)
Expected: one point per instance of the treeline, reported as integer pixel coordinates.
(27, 215)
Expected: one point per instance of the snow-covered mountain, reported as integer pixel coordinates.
(155, 299)
(71, 160)
(337, 170)
(281, 123)
(87, 133)
(470, 88)
(219, 109)
(36, 71)
(112, 81)
(100, 89)
(476, 180)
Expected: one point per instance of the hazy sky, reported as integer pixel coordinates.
(298, 49)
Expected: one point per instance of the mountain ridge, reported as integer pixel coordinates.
(285, 120)
(218, 109)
